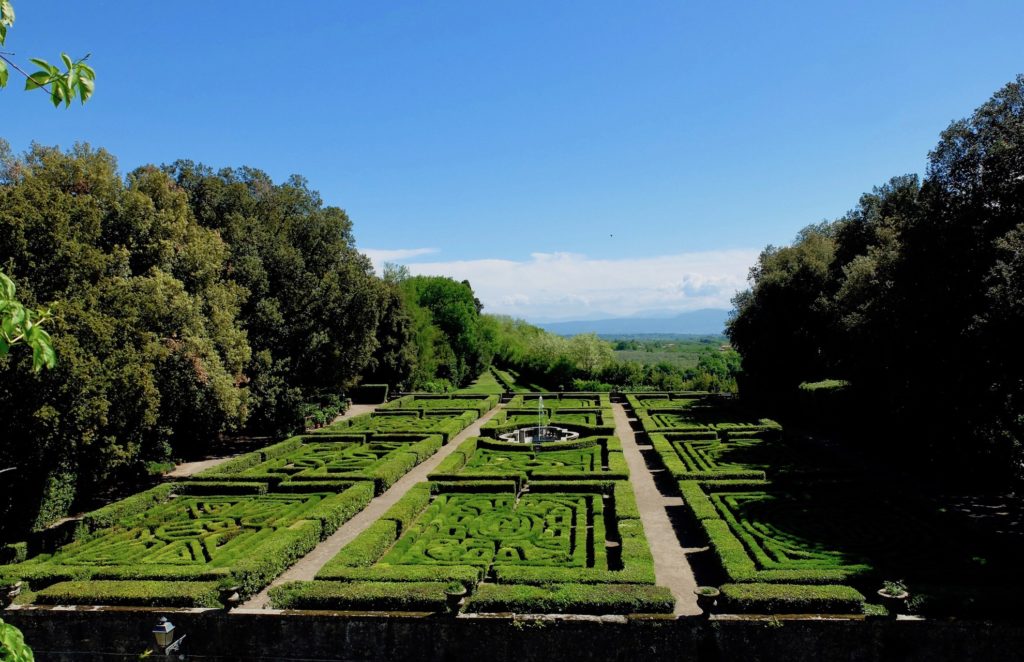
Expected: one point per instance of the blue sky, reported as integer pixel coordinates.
(572, 159)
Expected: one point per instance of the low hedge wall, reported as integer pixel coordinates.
(572, 599)
(761, 598)
(133, 505)
(368, 596)
(130, 593)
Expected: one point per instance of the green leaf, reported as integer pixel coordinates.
(68, 63)
(43, 64)
(4, 74)
(3, 34)
(6, 12)
(85, 88)
(85, 71)
(7, 288)
(37, 80)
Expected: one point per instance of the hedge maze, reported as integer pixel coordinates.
(572, 547)
(590, 458)
(759, 535)
(553, 528)
(241, 523)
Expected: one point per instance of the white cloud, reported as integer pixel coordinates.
(551, 286)
(379, 256)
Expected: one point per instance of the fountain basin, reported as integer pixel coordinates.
(539, 434)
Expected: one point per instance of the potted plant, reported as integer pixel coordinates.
(707, 598)
(454, 592)
(894, 595)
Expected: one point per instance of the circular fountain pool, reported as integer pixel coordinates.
(539, 434)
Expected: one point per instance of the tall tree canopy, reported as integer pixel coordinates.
(915, 297)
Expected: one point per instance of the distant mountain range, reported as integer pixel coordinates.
(709, 321)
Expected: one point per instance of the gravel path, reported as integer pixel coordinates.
(186, 469)
(671, 568)
(307, 567)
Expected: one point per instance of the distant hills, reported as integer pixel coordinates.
(708, 321)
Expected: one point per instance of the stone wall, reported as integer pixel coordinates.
(108, 633)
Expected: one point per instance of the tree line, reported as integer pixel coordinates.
(188, 304)
(915, 298)
(185, 305)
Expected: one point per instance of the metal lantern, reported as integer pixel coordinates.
(163, 632)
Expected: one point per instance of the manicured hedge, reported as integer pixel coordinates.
(444, 403)
(131, 593)
(337, 509)
(406, 509)
(15, 552)
(572, 599)
(281, 551)
(119, 511)
(368, 596)
(365, 549)
(468, 575)
(222, 487)
(790, 599)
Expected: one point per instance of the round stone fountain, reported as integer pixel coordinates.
(540, 433)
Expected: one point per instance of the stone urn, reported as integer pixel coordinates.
(707, 598)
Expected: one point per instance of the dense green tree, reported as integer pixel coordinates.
(914, 298)
(314, 304)
(151, 354)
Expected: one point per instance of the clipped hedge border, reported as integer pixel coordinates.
(335, 510)
(368, 596)
(14, 552)
(759, 598)
(365, 549)
(134, 593)
(282, 550)
(572, 599)
(119, 511)
(468, 575)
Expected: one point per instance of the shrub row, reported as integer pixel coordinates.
(572, 599)
(363, 596)
(130, 593)
(736, 550)
(119, 511)
(758, 598)
(458, 402)
(687, 460)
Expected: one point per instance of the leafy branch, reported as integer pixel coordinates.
(77, 80)
(19, 324)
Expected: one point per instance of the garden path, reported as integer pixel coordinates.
(186, 469)
(671, 568)
(307, 567)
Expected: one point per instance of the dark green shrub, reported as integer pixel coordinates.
(335, 510)
(790, 599)
(281, 551)
(468, 575)
(119, 511)
(234, 465)
(15, 552)
(131, 593)
(367, 547)
(406, 509)
(572, 599)
(369, 596)
(223, 487)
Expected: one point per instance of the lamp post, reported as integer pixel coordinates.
(163, 633)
